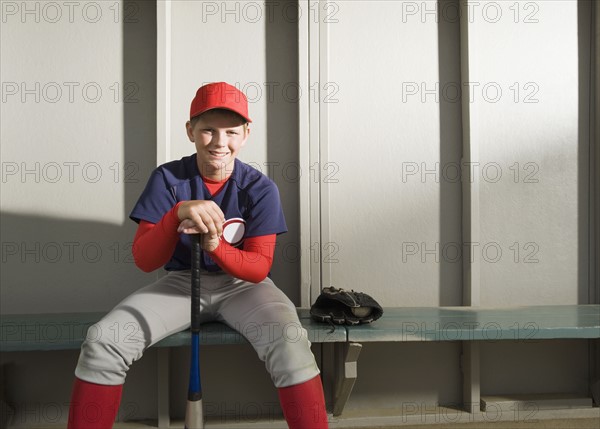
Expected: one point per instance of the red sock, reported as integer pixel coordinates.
(304, 405)
(93, 406)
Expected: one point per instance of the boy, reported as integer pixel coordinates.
(237, 209)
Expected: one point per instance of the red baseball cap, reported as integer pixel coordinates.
(219, 95)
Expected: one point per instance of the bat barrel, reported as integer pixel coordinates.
(195, 388)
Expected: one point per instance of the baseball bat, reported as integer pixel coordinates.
(193, 412)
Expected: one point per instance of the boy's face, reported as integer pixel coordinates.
(218, 137)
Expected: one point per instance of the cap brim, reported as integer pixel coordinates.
(220, 107)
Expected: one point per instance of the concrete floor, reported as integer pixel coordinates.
(586, 423)
(578, 423)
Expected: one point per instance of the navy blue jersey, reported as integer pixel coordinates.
(248, 195)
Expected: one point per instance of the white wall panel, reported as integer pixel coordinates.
(525, 109)
(386, 212)
(217, 45)
(78, 103)
(58, 107)
(528, 117)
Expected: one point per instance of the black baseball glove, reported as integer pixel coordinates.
(340, 306)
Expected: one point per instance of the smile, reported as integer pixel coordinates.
(218, 154)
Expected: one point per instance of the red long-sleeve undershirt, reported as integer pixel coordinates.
(154, 245)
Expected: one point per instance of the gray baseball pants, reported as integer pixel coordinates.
(261, 312)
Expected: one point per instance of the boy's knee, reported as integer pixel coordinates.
(290, 360)
(104, 357)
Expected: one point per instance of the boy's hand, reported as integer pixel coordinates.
(202, 217)
(208, 242)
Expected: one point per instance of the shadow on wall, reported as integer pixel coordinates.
(53, 265)
(281, 42)
(587, 293)
(450, 273)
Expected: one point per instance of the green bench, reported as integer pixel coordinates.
(469, 325)
(472, 325)
(44, 332)
(485, 324)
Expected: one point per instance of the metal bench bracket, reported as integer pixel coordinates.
(346, 371)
